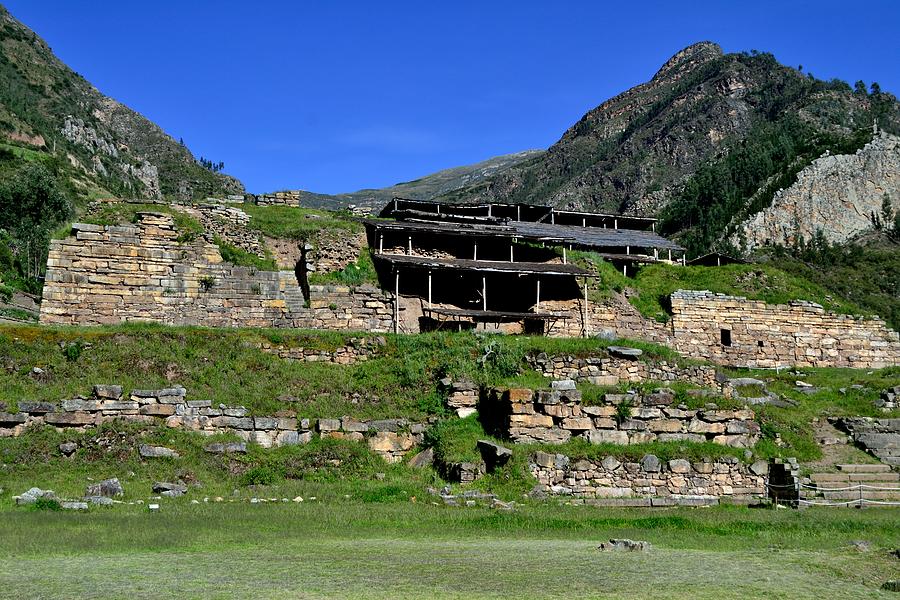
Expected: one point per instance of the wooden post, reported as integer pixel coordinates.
(586, 333)
(583, 221)
(656, 254)
(538, 303)
(653, 226)
(615, 223)
(484, 292)
(397, 301)
(511, 253)
(438, 209)
(552, 217)
(683, 260)
(409, 245)
(475, 253)
(670, 255)
(380, 243)
(627, 249)
(489, 209)
(429, 288)
(565, 261)
(625, 270)
(518, 213)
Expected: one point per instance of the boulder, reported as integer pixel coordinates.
(170, 490)
(624, 545)
(68, 448)
(108, 488)
(562, 384)
(70, 505)
(679, 465)
(32, 496)
(650, 463)
(624, 352)
(108, 392)
(494, 455)
(422, 459)
(226, 448)
(157, 452)
(99, 500)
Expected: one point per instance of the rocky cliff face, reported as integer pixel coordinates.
(101, 145)
(837, 194)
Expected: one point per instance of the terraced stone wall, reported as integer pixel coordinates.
(659, 483)
(108, 275)
(736, 331)
(391, 438)
(558, 415)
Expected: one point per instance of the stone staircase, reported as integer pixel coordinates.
(870, 485)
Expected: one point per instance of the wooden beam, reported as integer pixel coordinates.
(397, 301)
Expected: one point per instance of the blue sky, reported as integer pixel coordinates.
(337, 96)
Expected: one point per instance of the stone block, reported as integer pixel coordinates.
(36, 408)
(69, 419)
(605, 436)
(157, 410)
(108, 392)
(577, 423)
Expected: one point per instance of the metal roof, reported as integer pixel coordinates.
(522, 268)
(587, 237)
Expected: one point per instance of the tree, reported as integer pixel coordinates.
(876, 89)
(860, 88)
(887, 211)
(31, 206)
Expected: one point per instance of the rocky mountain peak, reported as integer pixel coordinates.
(688, 59)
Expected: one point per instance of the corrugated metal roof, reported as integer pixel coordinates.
(527, 268)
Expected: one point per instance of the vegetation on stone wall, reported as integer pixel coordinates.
(289, 222)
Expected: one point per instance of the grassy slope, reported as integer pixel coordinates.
(651, 287)
(288, 222)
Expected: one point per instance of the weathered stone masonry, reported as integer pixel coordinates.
(391, 438)
(737, 331)
(556, 416)
(107, 275)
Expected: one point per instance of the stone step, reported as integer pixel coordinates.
(830, 477)
(881, 477)
(843, 479)
(854, 495)
(864, 468)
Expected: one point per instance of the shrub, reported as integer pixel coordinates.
(260, 475)
(46, 504)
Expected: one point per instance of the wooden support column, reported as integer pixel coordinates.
(397, 301)
(475, 252)
(583, 222)
(565, 260)
(429, 288)
(552, 217)
(409, 245)
(615, 223)
(511, 253)
(627, 249)
(670, 255)
(653, 226)
(683, 260)
(537, 306)
(484, 292)
(518, 213)
(380, 243)
(625, 270)
(586, 325)
(489, 209)
(656, 253)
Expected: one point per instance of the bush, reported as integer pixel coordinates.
(50, 504)
(261, 475)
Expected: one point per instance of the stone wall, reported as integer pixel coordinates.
(286, 198)
(556, 416)
(750, 333)
(675, 480)
(391, 438)
(604, 369)
(229, 224)
(358, 350)
(107, 275)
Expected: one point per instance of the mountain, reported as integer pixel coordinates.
(93, 144)
(704, 144)
(424, 188)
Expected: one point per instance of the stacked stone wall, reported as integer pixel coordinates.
(750, 333)
(608, 370)
(659, 483)
(286, 198)
(556, 416)
(108, 275)
(391, 438)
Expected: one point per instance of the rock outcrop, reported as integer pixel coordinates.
(837, 194)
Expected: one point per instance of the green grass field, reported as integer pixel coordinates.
(348, 549)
